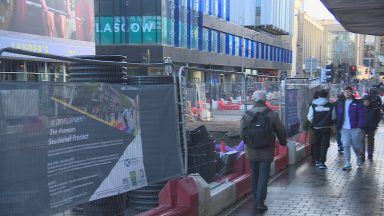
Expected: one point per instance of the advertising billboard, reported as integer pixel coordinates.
(65, 22)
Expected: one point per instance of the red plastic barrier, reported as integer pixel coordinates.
(304, 138)
(223, 106)
(178, 197)
(307, 150)
(243, 181)
(281, 159)
(238, 168)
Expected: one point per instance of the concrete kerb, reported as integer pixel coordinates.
(296, 152)
(217, 196)
(214, 198)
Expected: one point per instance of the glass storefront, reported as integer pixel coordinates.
(35, 71)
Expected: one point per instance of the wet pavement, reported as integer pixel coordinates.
(304, 189)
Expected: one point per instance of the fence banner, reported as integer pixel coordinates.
(292, 121)
(66, 144)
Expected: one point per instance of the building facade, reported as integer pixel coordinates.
(342, 46)
(194, 32)
(309, 41)
(296, 39)
(274, 16)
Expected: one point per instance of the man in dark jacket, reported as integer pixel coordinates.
(372, 116)
(309, 127)
(321, 114)
(261, 158)
(351, 121)
(340, 99)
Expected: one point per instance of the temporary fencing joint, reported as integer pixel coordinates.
(183, 121)
(177, 104)
(245, 77)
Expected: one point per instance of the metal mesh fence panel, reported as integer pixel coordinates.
(82, 134)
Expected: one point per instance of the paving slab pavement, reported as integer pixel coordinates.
(303, 189)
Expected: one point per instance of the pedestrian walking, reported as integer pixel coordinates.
(351, 121)
(321, 114)
(309, 127)
(340, 99)
(372, 116)
(259, 128)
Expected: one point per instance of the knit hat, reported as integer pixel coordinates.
(259, 96)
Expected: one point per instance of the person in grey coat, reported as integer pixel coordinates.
(261, 158)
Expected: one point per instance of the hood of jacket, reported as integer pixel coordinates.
(320, 101)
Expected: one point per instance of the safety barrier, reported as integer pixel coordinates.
(178, 197)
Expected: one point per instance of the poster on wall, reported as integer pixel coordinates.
(74, 144)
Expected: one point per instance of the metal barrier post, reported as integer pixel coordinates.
(245, 78)
(183, 122)
(211, 90)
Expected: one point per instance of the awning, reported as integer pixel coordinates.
(363, 17)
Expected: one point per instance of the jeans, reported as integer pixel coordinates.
(321, 144)
(370, 134)
(260, 177)
(338, 139)
(351, 137)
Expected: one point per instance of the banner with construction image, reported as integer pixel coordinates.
(67, 144)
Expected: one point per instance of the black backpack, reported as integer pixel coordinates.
(259, 130)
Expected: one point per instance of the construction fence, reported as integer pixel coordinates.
(105, 143)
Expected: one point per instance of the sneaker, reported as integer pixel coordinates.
(347, 168)
(317, 163)
(322, 166)
(341, 149)
(363, 158)
(370, 157)
(261, 207)
(359, 161)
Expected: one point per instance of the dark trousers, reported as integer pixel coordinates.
(321, 144)
(338, 139)
(370, 135)
(312, 142)
(260, 177)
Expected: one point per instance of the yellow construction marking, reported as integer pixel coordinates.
(80, 111)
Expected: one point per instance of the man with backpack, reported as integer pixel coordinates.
(259, 128)
(321, 115)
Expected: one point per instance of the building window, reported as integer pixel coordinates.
(257, 50)
(236, 52)
(252, 49)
